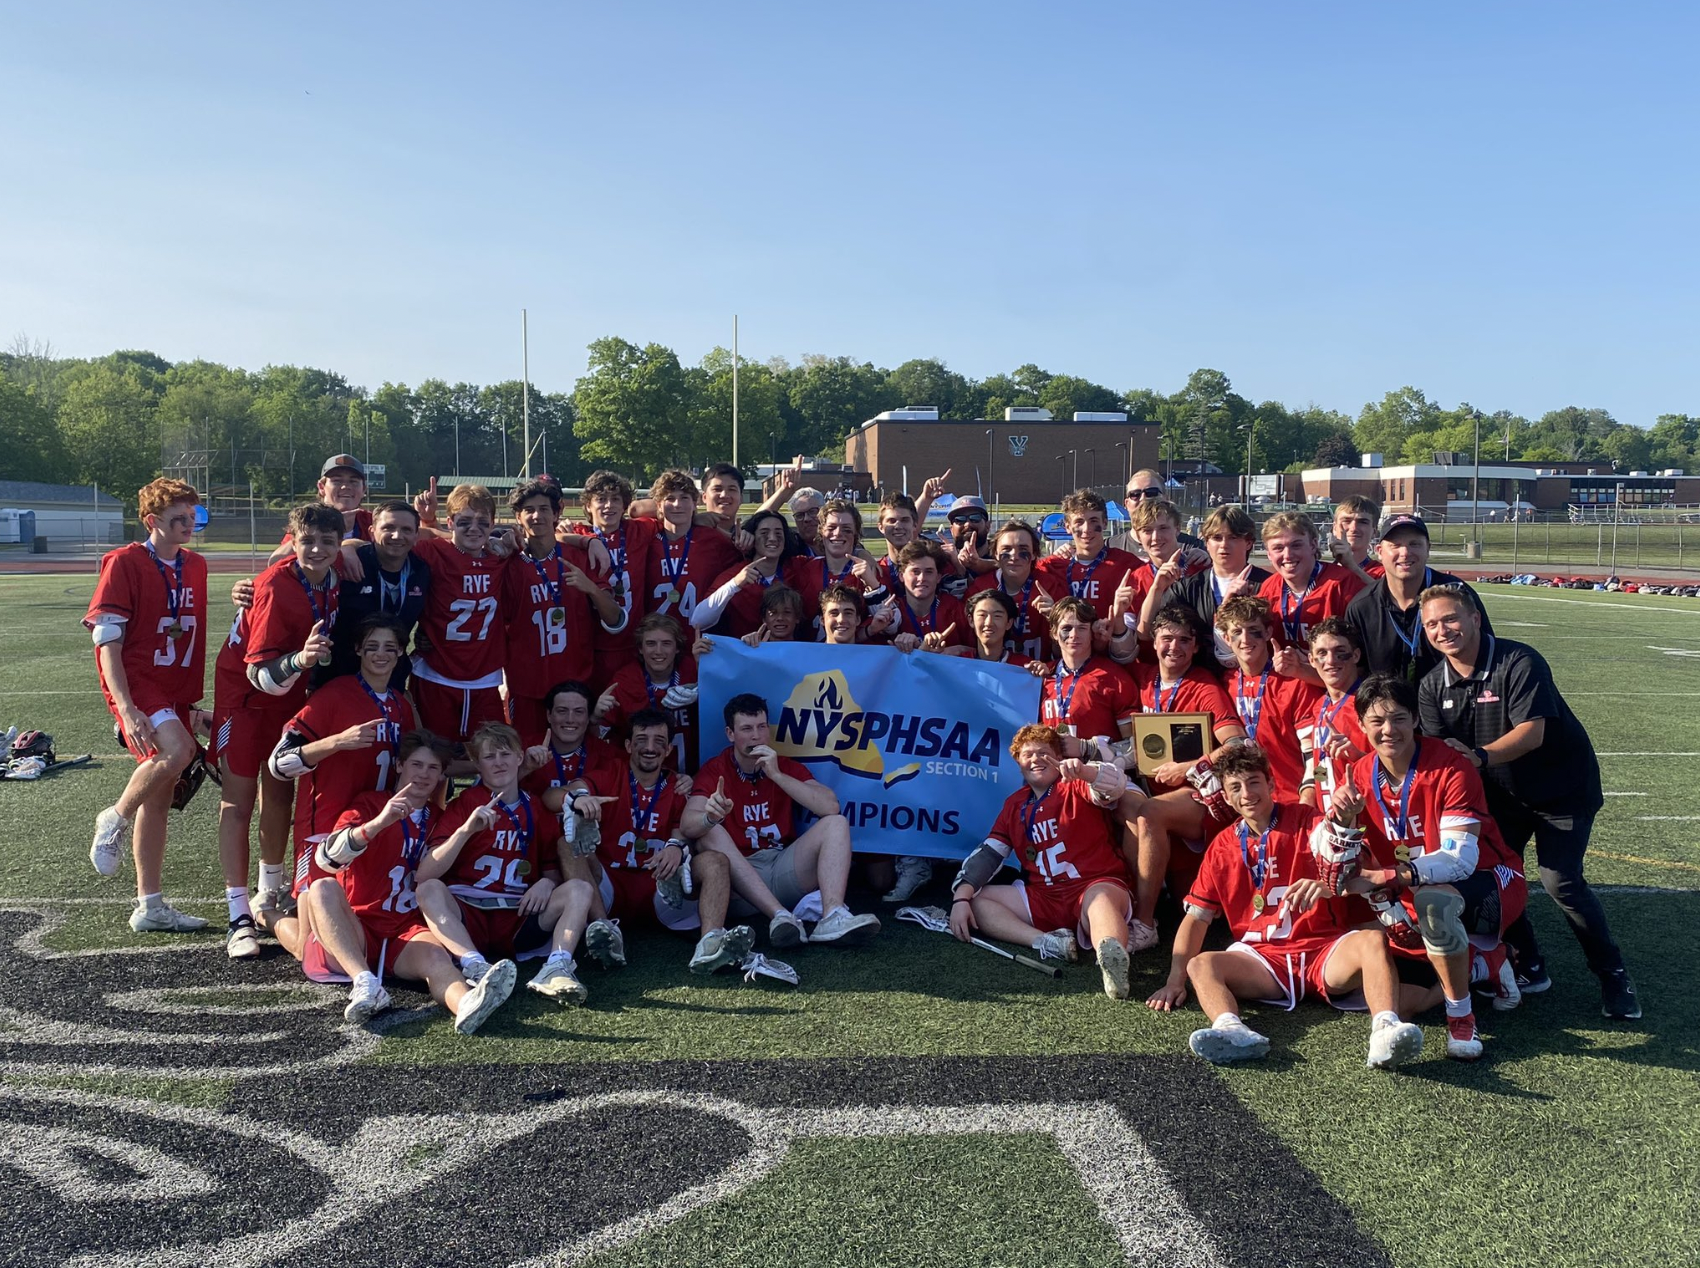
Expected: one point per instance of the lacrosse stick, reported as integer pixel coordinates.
(934, 918)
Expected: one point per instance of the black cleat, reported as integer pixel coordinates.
(1618, 999)
(1532, 978)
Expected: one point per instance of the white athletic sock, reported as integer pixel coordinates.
(560, 957)
(365, 975)
(473, 961)
(272, 874)
(1385, 1019)
(1227, 1019)
(151, 901)
(236, 898)
(1459, 1007)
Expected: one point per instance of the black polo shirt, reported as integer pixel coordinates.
(1198, 591)
(1393, 641)
(1512, 684)
(398, 595)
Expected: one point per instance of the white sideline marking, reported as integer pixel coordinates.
(1524, 625)
(1586, 603)
(1640, 753)
(1625, 794)
(1667, 694)
(1674, 651)
(1668, 818)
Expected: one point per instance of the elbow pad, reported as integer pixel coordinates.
(1455, 859)
(980, 866)
(107, 629)
(338, 850)
(286, 761)
(274, 677)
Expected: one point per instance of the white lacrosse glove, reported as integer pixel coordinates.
(1108, 784)
(680, 697)
(1336, 851)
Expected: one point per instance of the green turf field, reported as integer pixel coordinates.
(916, 1103)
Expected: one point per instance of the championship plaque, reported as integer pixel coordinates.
(1171, 737)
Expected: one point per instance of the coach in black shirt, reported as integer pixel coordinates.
(392, 581)
(1495, 700)
(1385, 616)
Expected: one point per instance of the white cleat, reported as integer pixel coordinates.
(242, 942)
(1393, 1044)
(557, 980)
(1113, 964)
(1224, 1045)
(163, 919)
(366, 999)
(1140, 936)
(840, 928)
(110, 831)
(605, 944)
(494, 986)
(1058, 944)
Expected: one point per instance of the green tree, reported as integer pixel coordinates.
(1338, 449)
(207, 408)
(761, 426)
(633, 407)
(1385, 427)
(110, 432)
(927, 382)
(1065, 394)
(1675, 442)
(29, 438)
(832, 395)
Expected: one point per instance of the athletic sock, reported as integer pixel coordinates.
(1459, 1007)
(236, 898)
(271, 875)
(473, 961)
(364, 975)
(1384, 1019)
(1227, 1019)
(151, 901)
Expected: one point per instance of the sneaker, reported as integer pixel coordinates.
(1618, 997)
(785, 930)
(1112, 963)
(242, 942)
(366, 999)
(1140, 936)
(912, 873)
(555, 980)
(486, 996)
(270, 905)
(164, 919)
(840, 928)
(719, 947)
(605, 944)
(1462, 1042)
(107, 852)
(1532, 978)
(1393, 1044)
(1224, 1045)
(1058, 944)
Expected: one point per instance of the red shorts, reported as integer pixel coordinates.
(156, 713)
(1299, 966)
(381, 952)
(454, 713)
(1493, 899)
(1055, 907)
(243, 740)
(528, 717)
(502, 933)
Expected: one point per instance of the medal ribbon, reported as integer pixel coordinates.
(1157, 694)
(562, 774)
(312, 598)
(826, 577)
(383, 703)
(173, 589)
(1325, 715)
(910, 617)
(1251, 711)
(1260, 869)
(641, 812)
(413, 847)
(1020, 604)
(675, 568)
(1411, 643)
(652, 690)
(1064, 701)
(401, 589)
(552, 587)
(616, 553)
(1030, 811)
(1401, 825)
(525, 805)
(1295, 625)
(1078, 589)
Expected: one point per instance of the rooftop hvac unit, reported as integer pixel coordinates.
(908, 414)
(1371, 460)
(1101, 416)
(1026, 414)
(1672, 471)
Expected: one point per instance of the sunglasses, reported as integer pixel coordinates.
(968, 517)
(1145, 493)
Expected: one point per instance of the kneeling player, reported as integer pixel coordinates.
(358, 907)
(1291, 937)
(773, 869)
(638, 807)
(483, 885)
(1073, 878)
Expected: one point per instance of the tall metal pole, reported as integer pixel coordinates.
(525, 387)
(991, 456)
(1091, 466)
(735, 390)
(1476, 484)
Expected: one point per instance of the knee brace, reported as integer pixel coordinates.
(1440, 916)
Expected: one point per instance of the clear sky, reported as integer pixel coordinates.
(1494, 202)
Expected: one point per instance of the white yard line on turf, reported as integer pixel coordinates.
(1668, 818)
(1617, 794)
(1639, 753)
(1590, 603)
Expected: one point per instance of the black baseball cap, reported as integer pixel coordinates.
(343, 462)
(1404, 519)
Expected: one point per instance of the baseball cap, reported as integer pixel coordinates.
(966, 504)
(1399, 520)
(343, 462)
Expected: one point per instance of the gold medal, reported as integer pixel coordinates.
(174, 630)
(557, 617)
(1402, 853)
(1257, 903)
(673, 596)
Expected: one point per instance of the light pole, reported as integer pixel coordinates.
(991, 453)
(1126, 463)
(1091, 466)
(1476, 484)
(1063, 458)
(1074, 455)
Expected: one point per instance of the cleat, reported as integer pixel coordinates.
(756, 965)
(840, 928)
(473, 968)
(785, 930)
(164, 919)
(271, 905)
(366, 999)
(1462, 1041)
(491, 992)
(1393, 1044)
(1058, 944)
(1618, 999)
(1140, 936)
(912, 873)
(605, 944)
(1532, 978)
(719, 947)
(1224, 1045)
(107, 852)
(556, 980)
(1112, 963)
(242, 942)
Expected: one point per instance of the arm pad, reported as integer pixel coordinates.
(107, 629)
(338, 850)
(286, 761)
(1455, 859)
(275, 677)
(980, 866)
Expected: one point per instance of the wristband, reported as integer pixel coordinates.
(954, 901)
(1481, 756)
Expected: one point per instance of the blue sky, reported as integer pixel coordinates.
(1495, 203)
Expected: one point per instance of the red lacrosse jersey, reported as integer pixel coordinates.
(379, 882)
(630, 547)
(636, 815)
(1090, 701)
(497, 866)
(323, 793)
(634, 689)
(1030, 633)
(356, 527)
(1061, 838)
(164, 656)
(762, 815)
(742, 615)
(462, 636)
(808, 577)
(1227, 884)
(1444, 789)
(1279, 716)
(1145, 574)
(682, 572)
(1010, 655)
(1328, 592)
(561, 769)
(1096, 580)
(1197, 692)
(551, 625)
(283, 614)
(1332, 719)
(943, 614)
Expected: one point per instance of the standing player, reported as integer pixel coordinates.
(899, 523)
(749, 814)
(688, 556)
(1146, 485)
(392, 582)
(345, 740)
(733, 605)
(630, 544)
(723, 497)
(665, 677)
(840, 561)
(1016, 549)
(148, 619)
(457, 668)
(1434, 848)
(991, 615)
(342, 484)
(1352, 538)
(1277, 712)
(484, 883)
(1338, 738)
(1073, 880)
(1088, 568)
(927, 618)
(1303, 590)
(1292, 938)
(360, 909)
(1386, 614)
(1495, 702)
(259, 683)
(1157, 526)
(554, 611)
